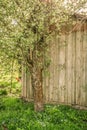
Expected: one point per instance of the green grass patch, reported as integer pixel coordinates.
(16, 114)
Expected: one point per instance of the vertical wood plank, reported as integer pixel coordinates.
(82, 82)
(27, 86)
(24, 81)
(85, 40)
(78, 66)
(73, 68)
(69, 67)
(57, 68)
(55, 72)
(51, 69)
(82, 100)
(66, 70)
(62, 68)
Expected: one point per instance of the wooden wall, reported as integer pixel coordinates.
(67, 79)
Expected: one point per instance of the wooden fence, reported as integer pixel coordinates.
(67, 80)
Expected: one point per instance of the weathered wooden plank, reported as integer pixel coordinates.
(62, 68)
(58, 68)
(73, 98)
(46, 92)
(66, 71)
(55, 71)
(69, 69)
(85, 40)
(82, 82)
(31, 89)
(27, 85)
(78, 66)
(24, 81)
(51, 69)
(46, 78)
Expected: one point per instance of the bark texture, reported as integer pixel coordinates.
(37, 82)
(38, 89)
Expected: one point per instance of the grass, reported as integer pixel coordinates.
(16, 114)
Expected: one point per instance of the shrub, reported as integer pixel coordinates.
(3, 92)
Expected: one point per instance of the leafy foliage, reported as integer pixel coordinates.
(23, 24)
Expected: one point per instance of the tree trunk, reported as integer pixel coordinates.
(37, 88)
(37, 81)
